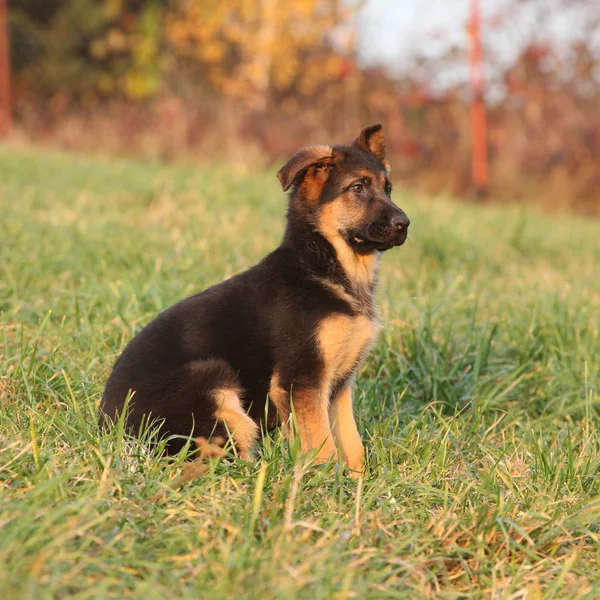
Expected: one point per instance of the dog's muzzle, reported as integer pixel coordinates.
(385, 232)
(388, 232)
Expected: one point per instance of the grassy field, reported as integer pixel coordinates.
(479, 406)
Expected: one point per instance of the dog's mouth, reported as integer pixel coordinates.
(363, 243)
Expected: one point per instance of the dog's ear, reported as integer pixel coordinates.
(303, 159)
(372, 140)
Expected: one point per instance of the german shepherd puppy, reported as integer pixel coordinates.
(295, 327)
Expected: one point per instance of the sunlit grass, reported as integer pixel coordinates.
(479, 405)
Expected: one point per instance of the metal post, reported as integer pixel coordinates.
(5, 102)
(479, 159)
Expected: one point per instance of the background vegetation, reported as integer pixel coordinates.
(479, 405)
(251, 80)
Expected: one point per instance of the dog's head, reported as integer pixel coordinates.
(344, 192)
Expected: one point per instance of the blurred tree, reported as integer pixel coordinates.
(251, 46)
(197, 58)
(85, 49)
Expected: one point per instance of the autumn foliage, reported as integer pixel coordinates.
(252, 80)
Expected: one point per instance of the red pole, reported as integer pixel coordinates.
(5, 103)
(479, 159)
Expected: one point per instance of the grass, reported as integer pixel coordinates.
(479, 406)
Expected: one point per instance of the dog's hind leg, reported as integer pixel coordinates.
(240, 426)
(226, 415)
(201, 399)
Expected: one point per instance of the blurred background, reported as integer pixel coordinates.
(497, 99)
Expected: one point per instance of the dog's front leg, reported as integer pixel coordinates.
(312, 416)
(345, 432)
(310, 407)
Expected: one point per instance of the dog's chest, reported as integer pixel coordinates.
(343, 342)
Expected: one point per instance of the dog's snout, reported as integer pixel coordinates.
(400, 221)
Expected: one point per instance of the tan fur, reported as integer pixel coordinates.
(279, 396)
(343, 342)
(366, 173)
(312, 185)
(360, 269)
(242, 428)
(372, 140)
(312, 416)
(345, 433)
(310, 408)
(304, 158)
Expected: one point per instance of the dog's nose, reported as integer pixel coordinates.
(400, 221)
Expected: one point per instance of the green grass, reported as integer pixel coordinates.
(479, 406)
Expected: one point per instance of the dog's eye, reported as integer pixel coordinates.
(388, 190)
(357, 188)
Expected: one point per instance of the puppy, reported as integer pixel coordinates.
(294, 328)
